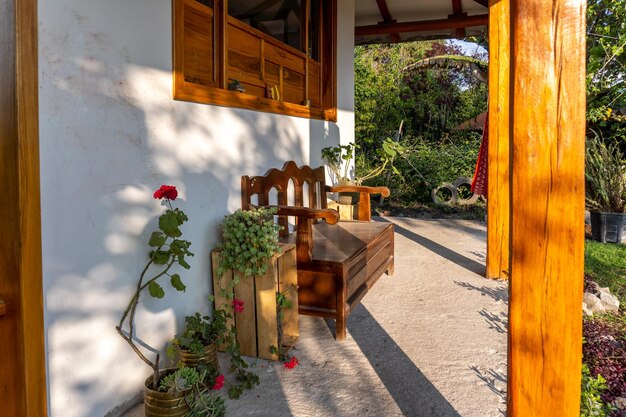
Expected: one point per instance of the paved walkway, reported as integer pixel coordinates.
(428, 342)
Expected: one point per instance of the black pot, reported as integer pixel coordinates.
(608, 227)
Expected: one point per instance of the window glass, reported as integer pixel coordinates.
(280, 19)
(314, 29)
(208, 3)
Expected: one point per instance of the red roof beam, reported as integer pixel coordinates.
(457, 11)
(386, 15)
(423, 25)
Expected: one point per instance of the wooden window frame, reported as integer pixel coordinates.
(218, 93)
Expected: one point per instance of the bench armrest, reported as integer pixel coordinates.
(304, 227)
(331, 216)
(384, 191)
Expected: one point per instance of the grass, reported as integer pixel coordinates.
(605, 263)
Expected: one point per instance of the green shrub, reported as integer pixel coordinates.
(605, 177)
(591, 404)
(424, 165)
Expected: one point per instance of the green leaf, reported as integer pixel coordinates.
(156, 290)
(177, 248)
(160, 257)
(177, 283)
(183, 263)
(168, 223)
(180, 217)
(157, 239)
(234, 392)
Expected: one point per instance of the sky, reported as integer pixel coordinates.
(468, 48)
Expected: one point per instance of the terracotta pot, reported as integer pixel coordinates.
(208, 356)
(163, 404)
(608, 227)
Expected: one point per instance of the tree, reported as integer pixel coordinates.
(606, 53)
(430, 100)
(606, 71)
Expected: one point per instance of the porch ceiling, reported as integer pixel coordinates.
(392, 21)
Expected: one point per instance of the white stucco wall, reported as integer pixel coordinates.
(110, 135)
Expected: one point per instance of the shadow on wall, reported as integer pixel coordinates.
(322, 134)
(110, 135)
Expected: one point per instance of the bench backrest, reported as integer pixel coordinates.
(291, 180)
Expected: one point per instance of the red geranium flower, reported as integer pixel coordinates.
(166, 191)
(219, 383)
(291, 363)
(238, 305)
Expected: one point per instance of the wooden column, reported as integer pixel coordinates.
(498, 150)
(22, 364)
(547, 206)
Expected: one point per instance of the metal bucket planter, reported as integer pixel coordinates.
(163, 404)
(608, 227)
(207, 356)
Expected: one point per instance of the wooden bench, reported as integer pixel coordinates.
(338, 262)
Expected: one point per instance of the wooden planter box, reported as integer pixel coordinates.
(347, 212)
(257, 324)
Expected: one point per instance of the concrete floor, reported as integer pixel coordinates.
(428, 342)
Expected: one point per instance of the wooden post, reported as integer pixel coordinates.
(498, 149)
(22, 348)
(547, 206)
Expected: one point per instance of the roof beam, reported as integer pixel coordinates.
(386, 15)
(457, 11)
(423, 25)
(484, 3)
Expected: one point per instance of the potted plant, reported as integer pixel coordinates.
(250, 238)
(197, 343)
(250, 243)
(166, 250)
(338, 157)
(605, 191)
(338, 160)
(190, 384)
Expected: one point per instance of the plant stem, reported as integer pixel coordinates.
(129, 314)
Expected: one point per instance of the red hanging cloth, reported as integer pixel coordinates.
(479, 183)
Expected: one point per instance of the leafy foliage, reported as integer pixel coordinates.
(605, 177)
(179, 381)
(199, 331)
(195, 384)
(606, 71)
(338, 160)
(341, 155)
(606, 53)
(282, 303)
(389, 89)
(227, 339)
(203, 403)
(246, 379)
(604, 351)
(591, 404)
(425, 165)
(250, 238)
